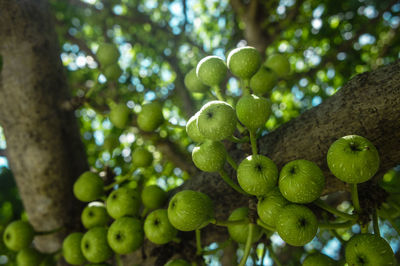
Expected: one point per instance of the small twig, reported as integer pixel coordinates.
(230, 182)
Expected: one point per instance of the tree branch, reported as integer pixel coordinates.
(3, 153)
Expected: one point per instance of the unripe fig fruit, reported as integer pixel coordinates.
(153, 197)
(18, 235)
(244, 62)
(151, 117)
(107, 54)
(270, 206)
(217, 120)
(141, 157)
(353, 159)
(112, 72)
(189, 210)
(192, 130)
(253, 111)
(122, 202)
(211, 70)
(94, 245)
(257, 175)
(111, 142)
(193, 83)
(158, 228)
(29, 257)
(71, 249)
(209, 156)
(369, 250)
(119, 115)
(301, 181)
(279, 64)
(263, 81)
(88, 187)
(125, 235)
(95, 214)
(296, 224)
(239, 232)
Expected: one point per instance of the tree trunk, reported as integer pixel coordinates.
(44, 148)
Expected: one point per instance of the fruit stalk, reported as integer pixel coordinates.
(198, 242)
(118, 260)
(237, 140)
(273, 256)
(375, 222)
(264, 225)
(253, 141)
(336, 225)
(231, 161)
(334, 211)
(354, 198)
(248, 245)
(246, 86)
(218, 93)
(230, 182)
(226, 223)
(121, 180)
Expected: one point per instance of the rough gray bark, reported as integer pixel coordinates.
(368, 105)
(43, 141)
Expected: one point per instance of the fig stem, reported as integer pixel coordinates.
(42, 233)
(118, 260)
(253, 141)
(93, 88)
(198, 242)
(144, 212)
(226, 223)
(335, 234)
(334, 211)
(231, 161)
(237, 140)
(265, 226)
(354, 198)
(230, 182)
(375, 222)
(123, 179)
(245, 83)
(273, 256)
(218, 93)
(240, 128)
(247, 248)
(336, 225)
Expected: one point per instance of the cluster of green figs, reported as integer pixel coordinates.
(118, 218)
(281, 195)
